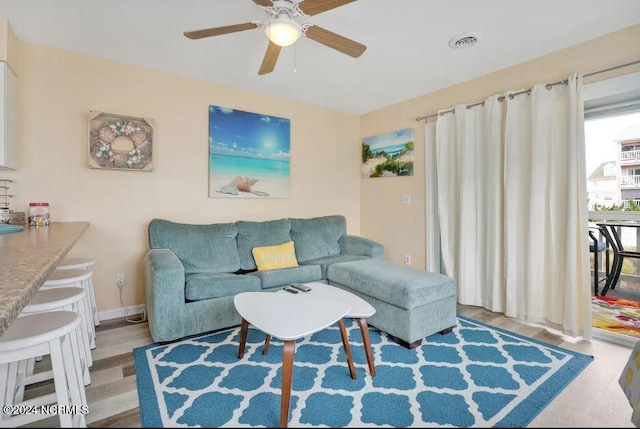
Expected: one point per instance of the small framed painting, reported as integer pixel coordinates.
(248, 154)
(388, 155)
(119, 142)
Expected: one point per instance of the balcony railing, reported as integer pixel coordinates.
(630, 155)
(630, 180)
(630, 238)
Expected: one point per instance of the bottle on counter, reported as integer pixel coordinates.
(38, 214)
(5, 214)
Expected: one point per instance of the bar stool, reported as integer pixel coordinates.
(69, 299)
(43, 334)
(83, 264)
(75, 278)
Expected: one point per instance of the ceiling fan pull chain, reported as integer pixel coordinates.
(295, 68)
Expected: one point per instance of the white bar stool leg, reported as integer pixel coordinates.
(5, 390)
(84, 340)
(76, 338)
(83, 264)
(74, 377)
(12, 381)
(94, 305)
(60, 383)
(25, 369)
(79, 278)
(90, 312)
(4, 369)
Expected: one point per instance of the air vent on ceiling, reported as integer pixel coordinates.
(465, 40)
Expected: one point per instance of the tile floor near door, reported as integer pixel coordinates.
(593, 399)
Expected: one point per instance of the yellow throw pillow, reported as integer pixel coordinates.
(274, 257)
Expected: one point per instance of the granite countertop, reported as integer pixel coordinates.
(26, 260)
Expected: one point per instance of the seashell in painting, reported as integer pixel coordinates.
(106, 134)
(138, 136)
(120, 159)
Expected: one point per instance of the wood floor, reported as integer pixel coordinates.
(593, 399)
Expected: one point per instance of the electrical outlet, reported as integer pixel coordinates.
(120, 280)
(407, 259)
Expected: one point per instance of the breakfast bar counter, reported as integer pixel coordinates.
(26, 260)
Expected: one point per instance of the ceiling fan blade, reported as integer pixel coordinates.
(270, 58)
(264, 3)
(335, 41)
(314, 7)
(217, 31)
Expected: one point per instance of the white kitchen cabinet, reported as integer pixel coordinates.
(8, 117)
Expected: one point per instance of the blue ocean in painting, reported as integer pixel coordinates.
(235, 133)
(391, 143)
(390, 150)
(256, 167)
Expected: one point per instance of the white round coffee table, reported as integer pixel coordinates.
(360, 310)
(288, 317)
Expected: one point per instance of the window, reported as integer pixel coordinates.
(612, 139)
(625, 203)
(610, 169)
(631, 171)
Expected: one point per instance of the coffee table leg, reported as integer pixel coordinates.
(265, 349)
(347, 349)
(244, 328)
(287, 374)
(364, 330)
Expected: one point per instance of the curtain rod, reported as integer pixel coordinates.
(528, 91)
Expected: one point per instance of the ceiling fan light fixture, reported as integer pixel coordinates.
(283, 31)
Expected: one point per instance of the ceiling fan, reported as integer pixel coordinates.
(282, 29)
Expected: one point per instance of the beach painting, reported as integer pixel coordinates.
(248, 154)
(388, 155)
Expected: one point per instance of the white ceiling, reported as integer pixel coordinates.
(407, 40)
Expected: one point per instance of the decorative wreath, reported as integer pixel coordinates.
(112, 130)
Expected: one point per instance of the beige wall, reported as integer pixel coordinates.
(401, 228)
(56, 91)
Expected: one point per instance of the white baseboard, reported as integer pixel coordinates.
(612, 337)
(121, 312)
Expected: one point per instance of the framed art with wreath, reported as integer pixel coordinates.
(120, 142)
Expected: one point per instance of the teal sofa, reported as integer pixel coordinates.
(192, 272)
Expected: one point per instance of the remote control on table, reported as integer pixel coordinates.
(290, 290)
(299, 286)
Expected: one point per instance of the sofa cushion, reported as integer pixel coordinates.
(275, 257)
(399, 285)
(325, 262)
(201, 248)
(259, 234)
(216, 285)
(317, 237)
(285, 276)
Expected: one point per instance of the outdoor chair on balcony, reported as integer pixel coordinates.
(596, 247)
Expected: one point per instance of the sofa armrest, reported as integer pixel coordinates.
(164, 294)
(355, 245)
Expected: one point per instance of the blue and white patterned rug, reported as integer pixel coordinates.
(476, 375)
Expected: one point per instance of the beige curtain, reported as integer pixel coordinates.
(511, 197)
